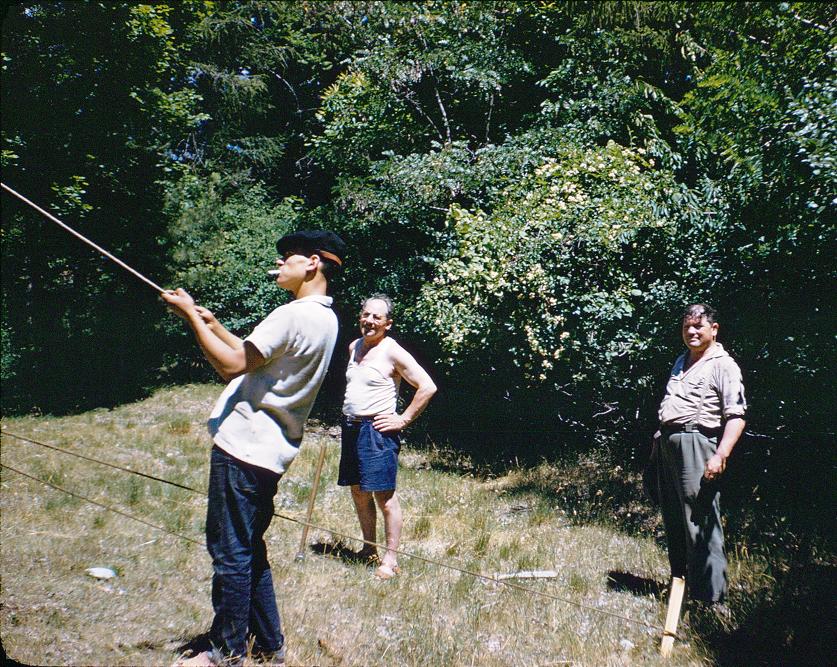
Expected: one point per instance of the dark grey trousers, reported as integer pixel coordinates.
(692, 514)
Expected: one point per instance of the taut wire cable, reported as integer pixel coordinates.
(104, 463)
(406, 554)
(102, 505)
(72, 231)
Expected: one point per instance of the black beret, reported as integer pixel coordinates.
(316, 241)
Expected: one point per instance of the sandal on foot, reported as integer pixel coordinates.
(368, 557)
(385, 571)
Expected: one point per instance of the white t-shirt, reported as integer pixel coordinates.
(260, 416)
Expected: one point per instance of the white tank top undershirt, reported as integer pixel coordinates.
(369, 390)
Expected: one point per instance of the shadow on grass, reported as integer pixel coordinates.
(592, 488)
(195, 645)
(6, 660)
(626, 582)
(341, 551)
(794, 623)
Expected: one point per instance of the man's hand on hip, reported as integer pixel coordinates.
(389, 423)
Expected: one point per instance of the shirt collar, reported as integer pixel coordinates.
(716, 351)
(322, 299)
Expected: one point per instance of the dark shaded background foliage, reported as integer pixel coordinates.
(186, 137)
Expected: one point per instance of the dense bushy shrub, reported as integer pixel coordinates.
(563, 293)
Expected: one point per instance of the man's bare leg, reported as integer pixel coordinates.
(365, 507)
(393, 520)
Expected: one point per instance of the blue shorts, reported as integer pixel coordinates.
(368, 458)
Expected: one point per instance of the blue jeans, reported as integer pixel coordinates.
(238, 513)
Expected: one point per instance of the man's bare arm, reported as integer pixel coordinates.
(228, 361)
(219, 329)
(406, 366)
(733, 430)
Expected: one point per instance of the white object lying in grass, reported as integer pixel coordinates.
(528, 574)
(101, 572)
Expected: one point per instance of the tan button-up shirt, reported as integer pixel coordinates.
(716, 379)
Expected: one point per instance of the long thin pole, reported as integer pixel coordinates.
(82, 238)
(300, 555)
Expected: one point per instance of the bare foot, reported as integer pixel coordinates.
(203, 659)
(386, 571)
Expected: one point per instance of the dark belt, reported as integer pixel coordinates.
(352, 419)
(691, 428)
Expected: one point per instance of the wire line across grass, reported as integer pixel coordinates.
(285, 517)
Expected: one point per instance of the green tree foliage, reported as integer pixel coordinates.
(551, 294)
(408, 127)
(248, 61)
(426, 72)
(759, 122)
(90, 111)
(223, 243)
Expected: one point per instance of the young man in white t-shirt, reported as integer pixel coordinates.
(256, 427)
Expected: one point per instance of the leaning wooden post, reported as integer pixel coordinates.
(300, 555)
(675, 600)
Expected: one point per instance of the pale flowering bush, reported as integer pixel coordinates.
(563, 281)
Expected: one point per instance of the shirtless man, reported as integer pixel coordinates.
(370, 440)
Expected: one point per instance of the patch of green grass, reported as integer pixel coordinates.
(135, 490)
(509, 550)
(180, 425)
(55, 619)
(465, 584)
(300, 490)
(528, 561)
(61, 501)
(578, 584)
(420, 528)
(542, 513)
(481, 544)
(53, 476)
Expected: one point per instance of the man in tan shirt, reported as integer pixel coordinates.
(701, 420)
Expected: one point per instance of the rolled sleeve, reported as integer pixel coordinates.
(731, 389)
(273, 335)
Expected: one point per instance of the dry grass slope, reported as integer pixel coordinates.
(334, 612)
